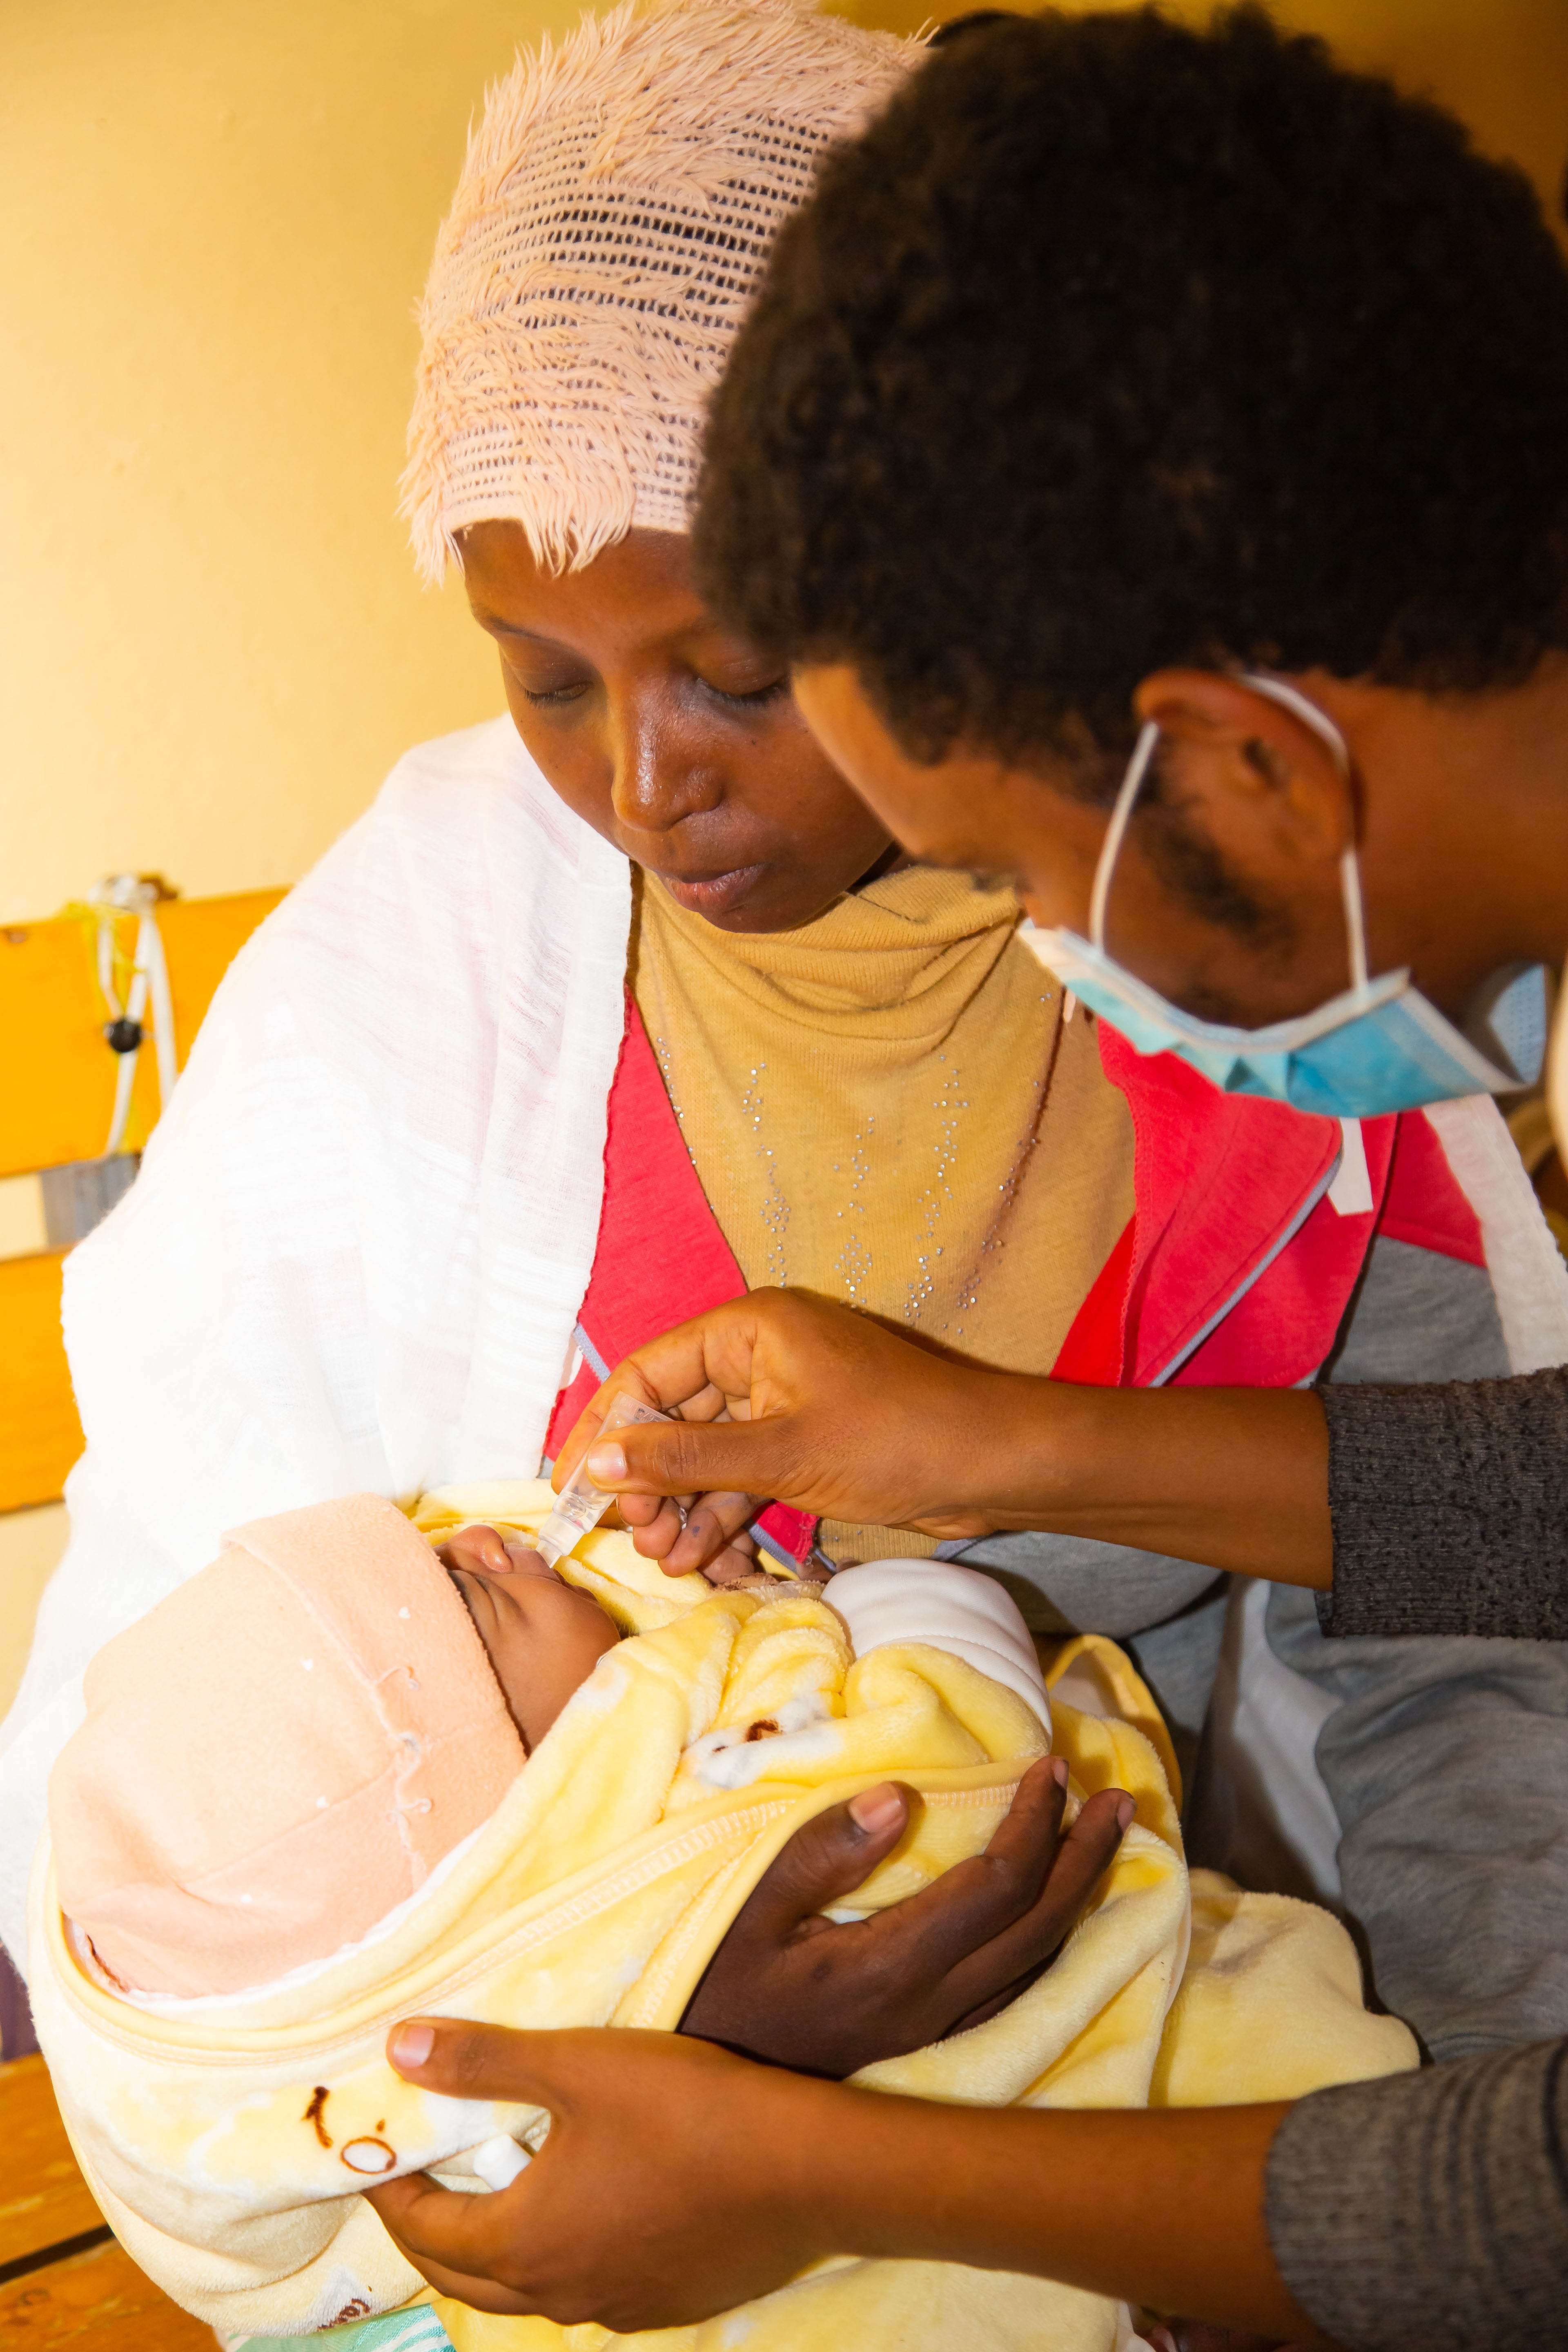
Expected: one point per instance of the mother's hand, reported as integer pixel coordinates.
(792, 1987)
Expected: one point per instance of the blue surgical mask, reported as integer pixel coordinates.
(1380, 1047)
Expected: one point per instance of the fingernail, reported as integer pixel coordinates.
(874, 1809)
(1059, 1770)
(412, 2044)
(1124, 1812)
(607, 1463)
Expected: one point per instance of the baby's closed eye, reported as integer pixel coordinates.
(542, 1636)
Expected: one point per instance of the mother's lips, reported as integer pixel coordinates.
(711, 894)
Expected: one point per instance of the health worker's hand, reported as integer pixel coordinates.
(796, 1399)
(481, 1551)
(665, 2191)
(678, 2180)
(792, 1987)
(792, 1397)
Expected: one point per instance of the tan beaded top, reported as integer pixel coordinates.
(886, 1106)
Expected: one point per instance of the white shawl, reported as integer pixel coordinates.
(362, 1234)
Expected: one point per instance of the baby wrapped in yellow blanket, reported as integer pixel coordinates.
(585, 1876)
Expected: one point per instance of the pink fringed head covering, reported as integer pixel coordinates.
(616, 204)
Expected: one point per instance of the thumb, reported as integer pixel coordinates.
(689, 1458)
(464, 2060)
(827, 1860)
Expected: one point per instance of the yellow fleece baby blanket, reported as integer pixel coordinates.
(226, 2143)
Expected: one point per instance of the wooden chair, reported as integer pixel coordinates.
(57, 1097)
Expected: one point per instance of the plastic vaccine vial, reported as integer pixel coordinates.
(581, 1505)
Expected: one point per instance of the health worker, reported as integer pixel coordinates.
(1147, 449)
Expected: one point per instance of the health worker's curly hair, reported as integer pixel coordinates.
(1112, 344)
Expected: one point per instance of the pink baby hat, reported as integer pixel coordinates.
(276, 1755)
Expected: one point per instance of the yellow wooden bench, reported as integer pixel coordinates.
(64, 2280)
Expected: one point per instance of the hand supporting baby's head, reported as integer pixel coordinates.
(278, 1755)
(543, 1638)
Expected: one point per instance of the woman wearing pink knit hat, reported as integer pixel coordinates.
(613, 1009)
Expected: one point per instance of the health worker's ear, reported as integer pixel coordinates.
(1259, 781)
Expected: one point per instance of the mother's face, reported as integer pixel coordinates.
(676, 740)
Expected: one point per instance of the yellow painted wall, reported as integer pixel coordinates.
(218, 214)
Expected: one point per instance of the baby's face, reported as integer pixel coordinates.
(543, 1638)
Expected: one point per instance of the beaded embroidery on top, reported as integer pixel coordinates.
(615, 208)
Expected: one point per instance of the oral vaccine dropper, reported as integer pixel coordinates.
(581, 1505)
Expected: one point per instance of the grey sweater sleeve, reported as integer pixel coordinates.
(1429, 2212)
(1449, 1505)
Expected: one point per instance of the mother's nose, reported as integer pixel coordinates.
(660, 769)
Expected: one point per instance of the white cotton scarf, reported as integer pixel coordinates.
(360, 1238)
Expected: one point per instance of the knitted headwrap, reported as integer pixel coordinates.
(616, 204)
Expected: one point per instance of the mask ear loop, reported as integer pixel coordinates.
(1115, 832)
(1323, 728)
(1355, 925)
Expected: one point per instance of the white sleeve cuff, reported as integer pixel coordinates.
(953, 1609)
